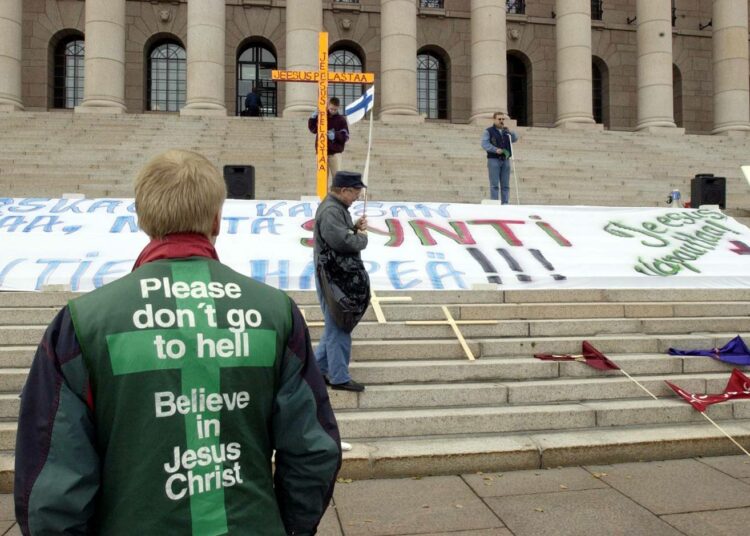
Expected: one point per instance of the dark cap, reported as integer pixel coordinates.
(348, 179)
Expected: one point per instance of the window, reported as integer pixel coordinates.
(167, 77)
(516, 6)
(254, 66)
(597, 9)
(431, 3)
(432, 86)
(345, 61)
(69, 73)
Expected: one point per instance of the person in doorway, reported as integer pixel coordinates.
(253, 103)
(338, 134)
(498, 141)
(154, 403)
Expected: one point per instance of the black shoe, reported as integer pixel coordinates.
(325, 379)
(351, 385)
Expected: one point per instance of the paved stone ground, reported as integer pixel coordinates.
(693, 497)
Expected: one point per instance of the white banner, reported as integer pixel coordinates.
(83, 244)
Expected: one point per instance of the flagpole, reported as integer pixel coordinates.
(709, 419)
(582, 358)
(366, 173)
(637, 383)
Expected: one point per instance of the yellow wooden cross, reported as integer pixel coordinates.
(453, 323)
(322, 77)
(376, 300)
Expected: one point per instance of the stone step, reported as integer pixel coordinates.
(389, 348)
(529, 369)
(8, 435)
(12, 380)
(16, 356)
(660, 299)
(451, 421)
(431, 367)
(609, 344)
(10, 404)
(496, 452)
(363, 425)
(492, 453)
(504, 392)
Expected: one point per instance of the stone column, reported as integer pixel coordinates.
(398, 60)
(574, 91)
(489, 84)
(304, 21)
(104, 85)
(10, 55)
(730, 58)
(655, 95)
(206, 42)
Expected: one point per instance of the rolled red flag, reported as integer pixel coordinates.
(589, 355)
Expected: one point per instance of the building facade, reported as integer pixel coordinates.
(624, 64)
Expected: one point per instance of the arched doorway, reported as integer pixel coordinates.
(68, 71)
(255, 61)
(518, 89)
(600, 91)
(432, 84)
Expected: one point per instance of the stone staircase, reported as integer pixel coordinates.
(429, 410)
(48, 154)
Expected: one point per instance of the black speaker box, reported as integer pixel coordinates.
(705, 189)
(240, 181)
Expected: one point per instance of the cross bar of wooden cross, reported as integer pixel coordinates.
(453, 323)
(376, 300)
(322, 77)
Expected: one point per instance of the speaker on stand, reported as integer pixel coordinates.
(240, 181)
(705, 189)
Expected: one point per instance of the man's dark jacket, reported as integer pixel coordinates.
(340, 127)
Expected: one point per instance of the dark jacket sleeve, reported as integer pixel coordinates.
(306, 436)
(340, 237)
(312, 124)
(57, 465)
(341, 132)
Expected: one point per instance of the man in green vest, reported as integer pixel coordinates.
(155, 403)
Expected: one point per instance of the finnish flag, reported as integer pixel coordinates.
(357, 109)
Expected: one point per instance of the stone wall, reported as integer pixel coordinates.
(531, 37)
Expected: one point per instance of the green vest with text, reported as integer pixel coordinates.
(184, 359)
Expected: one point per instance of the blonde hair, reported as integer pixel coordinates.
(178, 192)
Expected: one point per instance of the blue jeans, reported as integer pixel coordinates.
(499, 171)
(335, 347)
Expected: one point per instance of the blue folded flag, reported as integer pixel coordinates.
(735, 352)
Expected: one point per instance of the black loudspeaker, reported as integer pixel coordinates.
(705, 189)
(240, 181)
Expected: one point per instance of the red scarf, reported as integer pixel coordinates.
(177, 246)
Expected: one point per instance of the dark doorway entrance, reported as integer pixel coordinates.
(518, 94)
